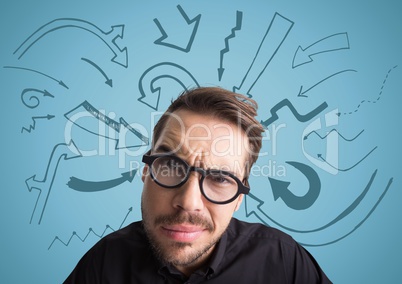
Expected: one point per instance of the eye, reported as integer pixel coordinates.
(170, 165)
(220, 179)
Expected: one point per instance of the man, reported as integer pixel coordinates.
(195, 177)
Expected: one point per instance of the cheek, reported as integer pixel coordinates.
(222, 214)
(154, 199)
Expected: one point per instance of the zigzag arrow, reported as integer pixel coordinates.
(299, 117)
(34, 118)
(239, 17)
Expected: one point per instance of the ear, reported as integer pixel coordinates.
(145, 172)
(239, 201)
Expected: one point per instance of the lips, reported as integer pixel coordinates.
(182, 233)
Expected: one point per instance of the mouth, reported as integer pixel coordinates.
(183, 232)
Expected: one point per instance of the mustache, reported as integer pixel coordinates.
(181, 218)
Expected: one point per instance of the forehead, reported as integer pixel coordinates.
(205, 136)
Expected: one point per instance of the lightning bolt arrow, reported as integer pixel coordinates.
(239, 17)
(32, 127)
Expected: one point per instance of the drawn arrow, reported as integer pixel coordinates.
(60, 82)
(330, 43)
(108, 81)
(332, 130)
(110, 38)
(299, 117)
(90, 231)
(239, 17)
(34, 118)
(93, 186)
(33, 97)
(275, 35)
(161, 40)
(371, 101)
(302, 91)
(151, 96)
(44, 186)
(253, 205)
(120, 127)
(360, 223)
(347, 169)
(280, 188)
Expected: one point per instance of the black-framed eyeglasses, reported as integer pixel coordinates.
(217, 186)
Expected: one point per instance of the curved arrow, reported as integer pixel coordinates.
(302, 92)
(275, 35)
(151, 96)
(109, 38)
(360, 223)
(332, 130)
(253, 206)
(239, 17)
(299, 117)
(93, 186)
(330, 43)
(253, 203)
(34, 118)
(161, 40)
(33, 97)
(35, 71)
(280, 188)
(108, 81)
(347, 169)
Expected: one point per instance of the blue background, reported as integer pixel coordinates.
(355, 48)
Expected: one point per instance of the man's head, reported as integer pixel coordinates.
(194, 179)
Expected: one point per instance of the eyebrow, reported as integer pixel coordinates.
(163, 148)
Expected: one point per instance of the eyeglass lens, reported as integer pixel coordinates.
(171, 171)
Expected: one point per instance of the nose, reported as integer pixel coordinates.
(188, 197)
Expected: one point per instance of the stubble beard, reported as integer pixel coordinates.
(171, 253)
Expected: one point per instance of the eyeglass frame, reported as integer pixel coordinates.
(241, 188)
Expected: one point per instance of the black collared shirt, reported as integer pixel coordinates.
(246, 253)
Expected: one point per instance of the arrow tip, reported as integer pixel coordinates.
(252, 204)
(301, 57)
(129, 176)
(319, 155)
(47, 94)
(109, 82)
(49, 116)
(220, 73)
(62, 84)
(277, 187)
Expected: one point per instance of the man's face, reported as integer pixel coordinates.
(181, 224)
